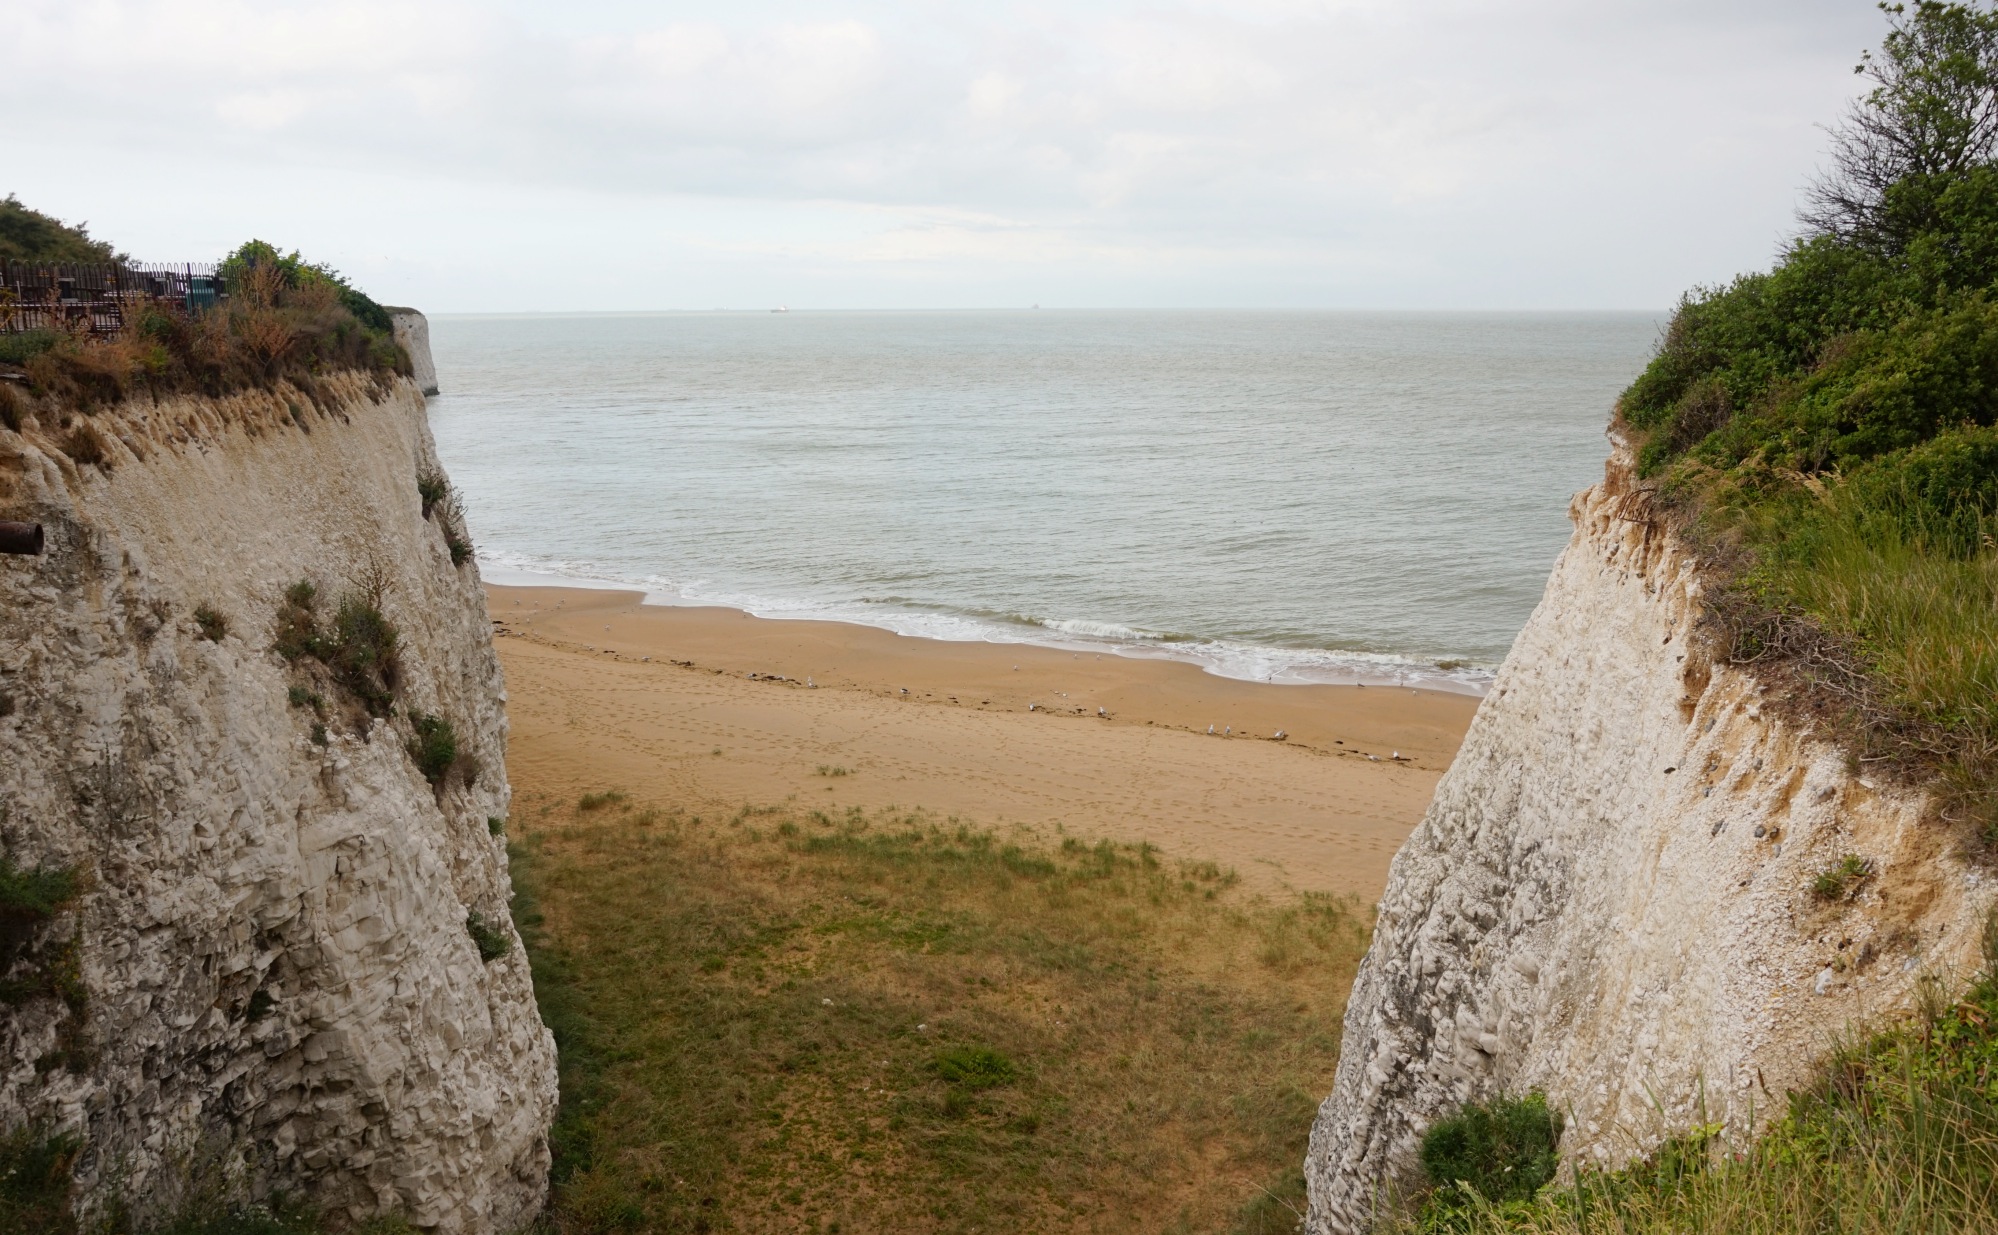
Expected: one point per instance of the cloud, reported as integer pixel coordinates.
(1585, 152)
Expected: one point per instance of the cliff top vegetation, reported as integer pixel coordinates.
(1827, 431)
(283, 320)
(31, 236)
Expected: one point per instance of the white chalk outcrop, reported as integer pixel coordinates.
(1610, 897)
(274, 961)
(412, 330)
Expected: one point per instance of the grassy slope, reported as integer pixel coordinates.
(760, 1016)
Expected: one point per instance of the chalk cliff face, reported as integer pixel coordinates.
(270, 962)
(1610, 897)
(412, 330)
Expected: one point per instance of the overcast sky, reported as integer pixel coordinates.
(597, 154)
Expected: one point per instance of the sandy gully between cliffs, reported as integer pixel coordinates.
(1313, 812)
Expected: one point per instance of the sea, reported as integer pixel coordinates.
(1289, 497)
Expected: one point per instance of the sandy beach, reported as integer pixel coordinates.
(712, 708)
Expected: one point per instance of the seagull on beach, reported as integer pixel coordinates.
(1281, 735)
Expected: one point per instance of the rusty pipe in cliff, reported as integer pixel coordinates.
(20, 538)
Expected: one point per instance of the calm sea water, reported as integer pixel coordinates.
(1284, 496)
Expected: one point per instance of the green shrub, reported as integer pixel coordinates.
(35, 1182)
(492, 941)
(975, 1067)
(431, 488)
(18, 349)
(495, 825)
(360, 647)
(1506, 1149)
(597, 801)
(434, 746)
(34, 896)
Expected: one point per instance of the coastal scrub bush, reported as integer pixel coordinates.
(1827, 431)
(434, 746)
(431, 488)
(597, 801)
(360, 647)
(1505, 1149)
(491, 941)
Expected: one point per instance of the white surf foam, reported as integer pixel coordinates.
(1283, 666)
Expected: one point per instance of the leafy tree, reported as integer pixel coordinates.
(1931, 116)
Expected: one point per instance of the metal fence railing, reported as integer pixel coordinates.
(97, 298)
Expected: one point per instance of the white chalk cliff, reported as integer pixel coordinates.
(1610, 897)
(272, 945)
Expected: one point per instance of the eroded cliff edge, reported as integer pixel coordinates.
(1610, 897)
(271, 951)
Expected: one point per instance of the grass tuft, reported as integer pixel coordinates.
(211, 623)
(1841, 877)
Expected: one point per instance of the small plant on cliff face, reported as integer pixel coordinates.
(434, 747)
(359, 647)
(35, 1182)
(34, 896)
(213, 625)
(1506, 1149)
(432, 488)
(492, 941)
(455, 539)
(1840, 878)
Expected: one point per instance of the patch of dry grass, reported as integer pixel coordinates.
(794, 1021)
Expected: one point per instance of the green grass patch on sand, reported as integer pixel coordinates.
(799, 1021)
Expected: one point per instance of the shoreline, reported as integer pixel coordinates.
(713, 707)
(1293, 666)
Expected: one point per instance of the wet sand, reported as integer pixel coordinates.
(710, 708)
